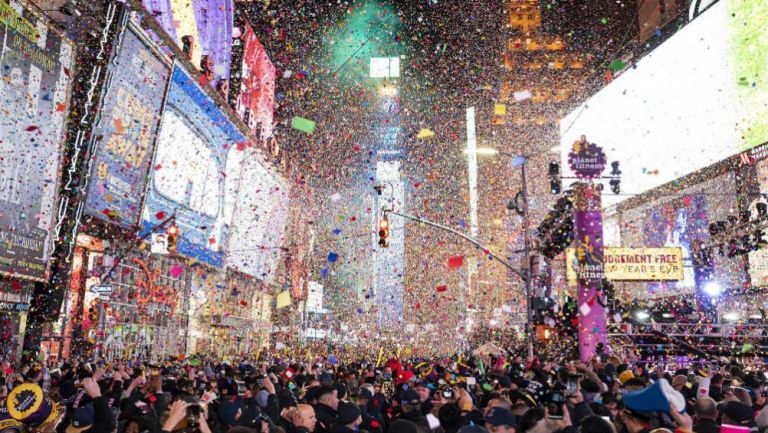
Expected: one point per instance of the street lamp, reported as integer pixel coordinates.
(713, 289)
(520, 161)
(642, 315)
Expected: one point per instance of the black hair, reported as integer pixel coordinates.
(324, 390)
(595, 424)
(530, 418)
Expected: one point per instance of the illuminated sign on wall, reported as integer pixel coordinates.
(664, 122)
(635, 264)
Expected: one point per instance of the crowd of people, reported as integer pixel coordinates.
(464, 394)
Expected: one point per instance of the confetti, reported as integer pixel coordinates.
(302, 124)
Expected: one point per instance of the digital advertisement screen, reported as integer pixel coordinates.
(35, 77)
(190, 171)
(256, 98)
(208, 23)
(681, 220)
(261, 213)
(126, 130)
(698, 98)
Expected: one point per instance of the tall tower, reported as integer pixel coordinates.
(389, 262)
(539, 80)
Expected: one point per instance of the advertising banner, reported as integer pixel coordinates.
(635, 264)
(256, 92)
(35, 78)
(588, 230)
(207, 24)
(190, 172)
(127, 128)
(723, 108)
(261, 212)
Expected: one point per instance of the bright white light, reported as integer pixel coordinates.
(667, 315)
(731, 317)
(642, 315)
(481, 151)
(709, 102)
(472, 151)
(713, 289)
(388, 90)
(385, 67)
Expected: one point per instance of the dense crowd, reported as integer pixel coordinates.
(498, 394)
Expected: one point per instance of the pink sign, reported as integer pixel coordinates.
(256, 98)
(725, 428)
(588, 231)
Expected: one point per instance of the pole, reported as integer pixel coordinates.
(528, 281)
(588, 234)
(461, 235)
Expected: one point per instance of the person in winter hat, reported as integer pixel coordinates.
(348, 419)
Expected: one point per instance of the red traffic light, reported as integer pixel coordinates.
(173, 234)
(384, 232)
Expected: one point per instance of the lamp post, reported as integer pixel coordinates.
(520, 161)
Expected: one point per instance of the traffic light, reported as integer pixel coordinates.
(384, 232)
(173, 234)
(543, 333)
(615, 181)
(555, 184)
(93, 311)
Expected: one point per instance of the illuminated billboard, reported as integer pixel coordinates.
(261, 212)
(385, 67)
(698, 98)
(634, 264)
(190, 174)
(207, 24)
(35, 78)
(255, 94)
(126, 131)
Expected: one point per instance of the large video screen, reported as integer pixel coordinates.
(126, 131)
(256, 96)
(207, 24)
(35, 76)
(680, 220)
(261, 213)
(191, 171)
(696, 99)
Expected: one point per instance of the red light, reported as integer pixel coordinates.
(172, 230)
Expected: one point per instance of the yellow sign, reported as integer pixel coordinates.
(283, 299)
(634, 264)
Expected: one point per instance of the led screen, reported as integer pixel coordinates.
(697, 99)
(260, 214)
(194, 171)
(35, 64)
